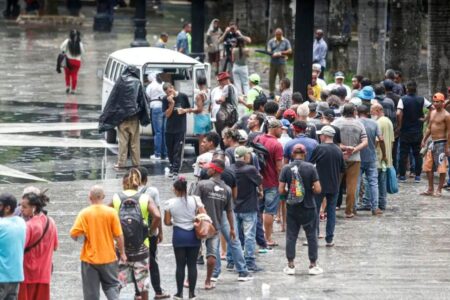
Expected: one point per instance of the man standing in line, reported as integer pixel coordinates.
(369, 161)
(174, 105)
(353, 140)
(99, 226)
(300, 177)
(300, 137)
(182, 39)
(274, 163)
(279, 47)
(12, 244)
(387, 131)
(330, 165)
(410, 120)
(320, 50)
(438, 149)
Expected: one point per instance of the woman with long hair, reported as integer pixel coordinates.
(73, 48)
(239, 56)
(180, 213)
(41, 241)
(136, 269)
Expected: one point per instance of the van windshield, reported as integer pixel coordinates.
(170, 74)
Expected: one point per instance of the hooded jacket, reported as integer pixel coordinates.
(126, 100)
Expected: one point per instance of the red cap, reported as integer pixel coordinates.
(289, 113)
(298, 148)
(223, 76)
(438, 97)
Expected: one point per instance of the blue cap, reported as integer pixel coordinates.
(366, 93)
(285, 123)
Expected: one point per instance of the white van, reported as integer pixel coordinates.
(179, 69)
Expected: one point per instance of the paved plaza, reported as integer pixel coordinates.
(404, 254)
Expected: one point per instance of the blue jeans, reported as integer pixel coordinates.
(159, 128)
(382, 189)
(331, 213)
(248, 223)
(448, 180)
(234, 246)
(271, 200)
(370, 199)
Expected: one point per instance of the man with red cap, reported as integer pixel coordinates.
(298, 182)
(438, 147)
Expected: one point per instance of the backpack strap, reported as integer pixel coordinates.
(27, 249)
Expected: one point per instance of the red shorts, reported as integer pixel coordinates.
(34, 291)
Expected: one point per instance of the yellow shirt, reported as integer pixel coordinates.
(100, 225)
(387, 130)
(316, 92)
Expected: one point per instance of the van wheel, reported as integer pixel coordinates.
(111, 136)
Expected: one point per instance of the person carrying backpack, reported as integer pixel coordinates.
(136, 211)
(297, 183)
(255, 93)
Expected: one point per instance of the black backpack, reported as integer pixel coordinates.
(134, 230)
(261, 153)
(261, 96)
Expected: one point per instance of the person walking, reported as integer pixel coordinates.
(330, 165)
(136, 269)
(353, 140)
(99, 226)
(301, 180)
(239, 57)
(279, 47)
(180, 213)
(73, 49)
(174, 105)
(182, 43)
(202, 118)
(213, 46)
(156, 237)
(41, 242)
(12, 243)
(155, 94)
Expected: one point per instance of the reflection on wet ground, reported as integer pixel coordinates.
(32, 93)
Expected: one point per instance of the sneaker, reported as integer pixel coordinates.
(170, 175)
(72, 92)
(230, 266)
(174, 176)
(255, 269)
(363, 208)
(215, 278)
(176, 297)
(329, 244)
(67, 90)
(244, 276)
(417, 179)
(265, 250)
(200, 260)
(377, 212)
(155, 157)
(305, 243)
(402, 178)
(289, 271)
(316, 270)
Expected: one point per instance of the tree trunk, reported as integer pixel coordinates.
(321, 15)
(404, 38)
(372, 38)
(250, 16)
(280, 17)
(339, 35)
(438, 45)
(51, 7)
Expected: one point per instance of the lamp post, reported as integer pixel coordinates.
(198, 28)
(304, 38)
(140, 21)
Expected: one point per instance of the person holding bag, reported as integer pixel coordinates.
(40, 243)
(73, 49)
(181, 213)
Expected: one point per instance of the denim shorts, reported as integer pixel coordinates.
(271, 201)
(212, 246)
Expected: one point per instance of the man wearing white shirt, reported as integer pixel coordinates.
(155, 94)
(338, 82)
(320, 49)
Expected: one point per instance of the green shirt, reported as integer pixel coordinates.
(251, 96)
(189, 38)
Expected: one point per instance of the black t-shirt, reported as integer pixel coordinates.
(337, 136)
(230, 41)
(176, 123)
(330, 164)
(228, 177)
(309, 176)
(229, 152)
(247, 179)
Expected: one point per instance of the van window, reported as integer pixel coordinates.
(199, 73)
(118, 71)
(170, 74)
(113, 69)
(108, 67)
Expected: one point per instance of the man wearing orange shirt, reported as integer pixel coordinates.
(100, 226)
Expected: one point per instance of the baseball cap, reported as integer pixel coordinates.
(322, 106)
(222, 76)
(339, 75)
(298, 148)
(327, 130)
(316, 67)
(254, 78)
(299, 125)
(285, 123)
(366, 93)
(438, 97)
(312, 106)
(356, 101)
(275, 124)
(289, 113)
(329, 113)
(241, 151)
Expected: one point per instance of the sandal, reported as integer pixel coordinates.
(427, 193)
(438, 194)
(272, 244)
(210, 286)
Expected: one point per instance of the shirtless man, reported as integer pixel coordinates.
(439, 148)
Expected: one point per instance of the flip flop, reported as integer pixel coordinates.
(427, 193)
(210, 287)
(438, 194)
(273, 244)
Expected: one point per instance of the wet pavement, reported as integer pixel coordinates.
(50, 140)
